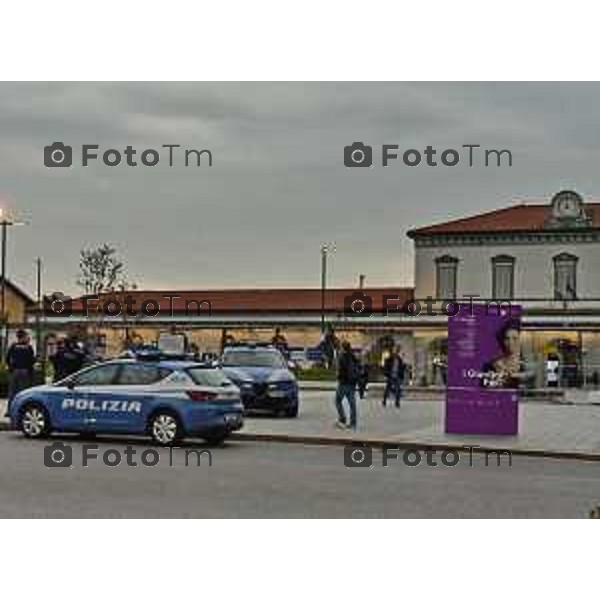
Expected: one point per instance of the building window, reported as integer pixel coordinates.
(565, 277)
(503, 277)
(446, 275)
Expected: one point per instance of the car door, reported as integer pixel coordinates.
(70, 400)
(136, 392)
(90, 389)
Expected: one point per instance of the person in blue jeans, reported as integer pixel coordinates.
(347, 377)
(394, 370)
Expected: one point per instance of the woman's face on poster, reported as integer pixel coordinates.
(512, 342)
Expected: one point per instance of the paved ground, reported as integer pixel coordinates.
(251, 479)
(543, 426)
(561, 428)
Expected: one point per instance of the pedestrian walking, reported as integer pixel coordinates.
(347, 377)
(20, 360)
(394, 370)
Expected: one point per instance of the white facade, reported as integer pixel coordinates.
(535, 239)
(554, 253)
(533, 270)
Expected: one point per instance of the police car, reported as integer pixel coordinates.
(166, 399)
(264, 378)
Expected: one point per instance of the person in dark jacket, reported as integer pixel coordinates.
(347, 377)
(394, 370)
(69, 358)
(279, 341)
(329, 346)
(20, 360)
(58, 361)
(363, 374)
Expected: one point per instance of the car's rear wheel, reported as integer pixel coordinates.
(34, 421)
(165, 428)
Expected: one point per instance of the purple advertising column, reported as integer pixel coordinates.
(485, 370)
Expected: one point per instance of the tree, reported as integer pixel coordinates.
(101, 270)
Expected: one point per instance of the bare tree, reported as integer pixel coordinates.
(101, 270)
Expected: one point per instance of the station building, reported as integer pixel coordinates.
(542, 254)
(211, 317)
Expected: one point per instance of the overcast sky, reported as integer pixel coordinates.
(278, 187)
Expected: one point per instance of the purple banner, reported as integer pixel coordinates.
(485, 370)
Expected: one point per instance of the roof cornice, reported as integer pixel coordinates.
(552, 236)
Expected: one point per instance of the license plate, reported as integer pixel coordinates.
(277, 394)
(233, 418)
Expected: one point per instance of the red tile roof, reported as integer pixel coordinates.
(522, 217)
(255, 300)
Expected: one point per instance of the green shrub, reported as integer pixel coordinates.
(316, 374)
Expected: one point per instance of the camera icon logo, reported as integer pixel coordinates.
(58, 155)
(57, 304)
(358, 305)
(58, 455)
(358, 456)
(358, 155)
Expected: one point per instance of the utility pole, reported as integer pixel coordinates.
(5, 221)
(38, 323)
(325, 250)
(3, 292)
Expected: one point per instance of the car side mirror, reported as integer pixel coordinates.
(70, 384)
(291, 365)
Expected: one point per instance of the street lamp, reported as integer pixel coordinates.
(5, 221)
(325, 250)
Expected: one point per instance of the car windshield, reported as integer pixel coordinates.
(253, 358)
(209, 377)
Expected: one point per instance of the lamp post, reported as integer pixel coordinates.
(5, 221)
(38, 324)
(325, 250)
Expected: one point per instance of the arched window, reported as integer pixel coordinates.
(503, 277)
(446, 268)
(565, 276)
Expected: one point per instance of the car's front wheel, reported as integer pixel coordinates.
(34, 421)
(165, 428)
(217, 438)
(292, 412)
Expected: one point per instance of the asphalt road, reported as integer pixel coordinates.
(279, 480)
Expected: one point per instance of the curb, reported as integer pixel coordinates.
(317, 440)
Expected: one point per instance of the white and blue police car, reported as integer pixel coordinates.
(167, 399)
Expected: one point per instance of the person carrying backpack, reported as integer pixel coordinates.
(347, 377)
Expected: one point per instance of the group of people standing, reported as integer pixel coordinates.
(353, 373)
(21, 358)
